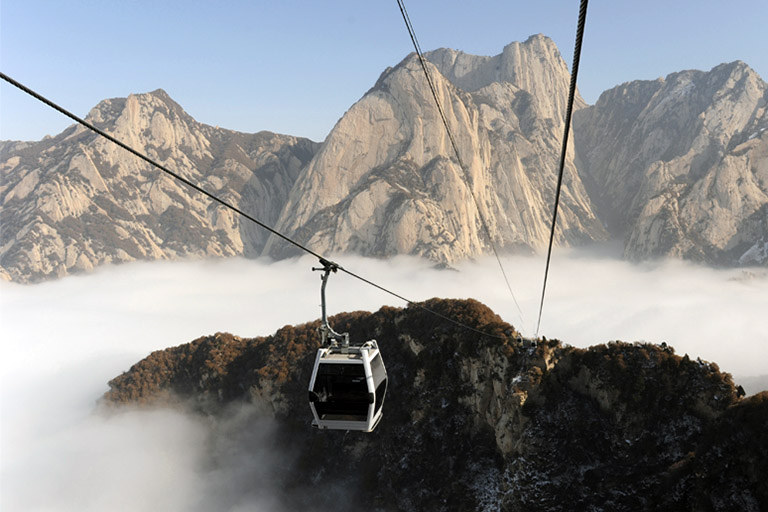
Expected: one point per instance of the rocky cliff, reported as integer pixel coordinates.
(475, 422)
(75, 201)
(387, 181)
(680, 165)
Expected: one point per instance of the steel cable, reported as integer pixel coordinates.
(462, 166)
(569, 111)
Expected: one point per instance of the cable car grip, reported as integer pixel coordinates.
(329, 336)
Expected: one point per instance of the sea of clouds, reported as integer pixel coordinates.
(63, 340)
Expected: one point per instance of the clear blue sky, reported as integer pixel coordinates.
(296, 66)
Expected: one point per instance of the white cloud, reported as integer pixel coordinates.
(62, 341)
(137, 460)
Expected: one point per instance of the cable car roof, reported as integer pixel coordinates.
(351, 357)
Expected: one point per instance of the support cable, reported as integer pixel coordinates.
(569, 111)
(325, 262)
(462, 166)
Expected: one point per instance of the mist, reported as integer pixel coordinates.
(62, 341)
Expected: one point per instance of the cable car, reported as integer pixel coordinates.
(348, 387)
(349, 382)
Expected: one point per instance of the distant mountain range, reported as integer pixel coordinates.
(673, 167)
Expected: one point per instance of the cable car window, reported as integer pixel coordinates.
(378, 371)
(379, 380)
(380, 392)
(342, 392)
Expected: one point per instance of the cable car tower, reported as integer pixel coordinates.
(349, 381)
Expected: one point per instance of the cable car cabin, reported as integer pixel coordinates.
(347, 388)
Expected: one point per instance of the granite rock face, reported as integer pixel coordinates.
(387, 180)
(478, 422)
(679, 166)
(75, 201)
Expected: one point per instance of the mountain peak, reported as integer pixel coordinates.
(539, 38)
(738, 71)
(160, 93)
(521, 64)
(110, 110)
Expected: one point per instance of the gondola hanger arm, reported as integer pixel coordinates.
(329, 336)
